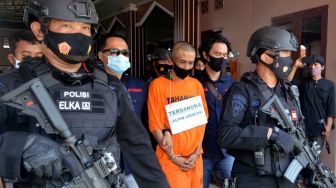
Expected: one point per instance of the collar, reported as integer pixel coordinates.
(253, 76)
(311, 79)
(168, 76)
(205, 77)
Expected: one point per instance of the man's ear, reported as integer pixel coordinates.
(101, 57)
(11, 59)
(36, 29)
(171, 62)
(153, 63)
(266, 58)
(205, 55)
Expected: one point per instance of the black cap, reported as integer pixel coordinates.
(161, 54)
(313, 58)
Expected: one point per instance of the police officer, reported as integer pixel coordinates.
(214, 51)
(138, 92)
(114, 54)
(199, 66)
(160, 63)
(23, 43)
(92, 108)
(250, 135)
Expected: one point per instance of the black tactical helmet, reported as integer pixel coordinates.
(70, 10)
(273, 38)
(160, 54)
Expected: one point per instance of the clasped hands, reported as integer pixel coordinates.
(185, 163)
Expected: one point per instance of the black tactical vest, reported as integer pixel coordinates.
(275, 163)
(90, 109)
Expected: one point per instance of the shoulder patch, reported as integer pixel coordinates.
(255, 103)
(238, 103)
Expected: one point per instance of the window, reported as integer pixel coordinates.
(310, 28)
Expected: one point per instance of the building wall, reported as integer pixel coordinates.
(239, 18)
(4, 51)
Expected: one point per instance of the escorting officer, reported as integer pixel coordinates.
(198, 67)
(23, 44)
(317, 97)
(137, 89)
(114, 54)
(91, 107)
(250, 135)
(214, 52)
(160, 63)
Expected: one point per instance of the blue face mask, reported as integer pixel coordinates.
(118, 64)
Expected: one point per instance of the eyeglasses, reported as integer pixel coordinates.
(116, 52)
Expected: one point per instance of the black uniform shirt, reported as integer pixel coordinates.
(131, 135)
(317, 102)
(243, 129)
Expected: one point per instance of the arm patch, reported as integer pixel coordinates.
(238, 103)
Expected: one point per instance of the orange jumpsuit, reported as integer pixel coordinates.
(163, 91)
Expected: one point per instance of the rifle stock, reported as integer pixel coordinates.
(33, 99)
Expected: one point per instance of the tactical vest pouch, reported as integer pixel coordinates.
(281, 163)
(266, 168)
(259, 157)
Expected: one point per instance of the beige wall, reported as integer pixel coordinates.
(239, 18)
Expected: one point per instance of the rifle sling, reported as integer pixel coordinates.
(261, 90)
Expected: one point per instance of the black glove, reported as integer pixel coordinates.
(282, 140)
(42, 156)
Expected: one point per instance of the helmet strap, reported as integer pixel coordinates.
(270, 66)
(44, 26)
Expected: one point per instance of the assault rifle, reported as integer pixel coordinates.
(307, 156)
(87, 169)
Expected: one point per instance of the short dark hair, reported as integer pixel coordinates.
(102, 40)
(256, 57)
(21, 35)
(198, 59)
(208, 42)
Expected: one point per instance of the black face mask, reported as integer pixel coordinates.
(163, 69)
(197, 72)
(181, 73)
(281, 66)
(72, 48)
(217, 64)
